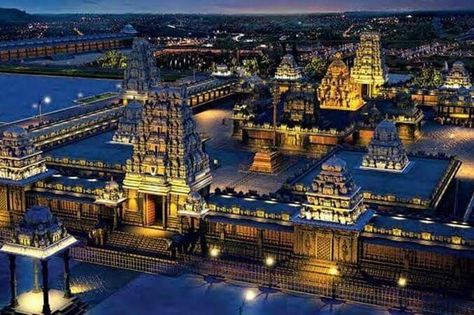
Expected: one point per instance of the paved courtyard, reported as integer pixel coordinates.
(452, 140)
(110, 291)
(234, 159)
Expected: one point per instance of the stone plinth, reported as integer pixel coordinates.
(266, 161)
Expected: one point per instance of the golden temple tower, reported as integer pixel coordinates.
(369, 68)
(337, 90)
(288, 70)
(458, 77)
(168, 162)
(329, 223)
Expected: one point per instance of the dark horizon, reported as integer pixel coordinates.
(231, 7)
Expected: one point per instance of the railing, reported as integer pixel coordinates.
(123, 260)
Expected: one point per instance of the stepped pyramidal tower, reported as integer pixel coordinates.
(337, 90)
(288, 70)
(369, 69)
(386, 151)
(458, 77)
(334, 196)
(141, 73)
(168, 161)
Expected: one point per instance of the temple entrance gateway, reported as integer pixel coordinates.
(155, 210)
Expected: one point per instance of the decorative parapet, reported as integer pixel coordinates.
(283, 128)
(424, 234)
(258, 213)
(66, 161)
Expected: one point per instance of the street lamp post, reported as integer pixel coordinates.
(46, 100)
(214, 254)
(334, 272)
(249, 295)
(402, 283)
(270, 263)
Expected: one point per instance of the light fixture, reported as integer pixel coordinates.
(402, 282)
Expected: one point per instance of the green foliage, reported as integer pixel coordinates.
(428, 78)
(113, 59)
(315, 68)
(250, 67)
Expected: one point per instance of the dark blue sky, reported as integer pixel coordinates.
(230, 6)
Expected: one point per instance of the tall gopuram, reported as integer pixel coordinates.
(127, 129)
(337, 90)
(141, 74)
(386, 151)
(328, 224)
(167, 164)
(458, 77)
(288, 70)
(369, 69)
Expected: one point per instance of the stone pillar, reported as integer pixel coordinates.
(36, 281)
(13, 300)
(46, 307)
(67, 276)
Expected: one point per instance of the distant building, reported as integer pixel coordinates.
(458, 77)
(69, 45)
(288, 70)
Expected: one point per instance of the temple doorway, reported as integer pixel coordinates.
(155, 210)
(365, 90)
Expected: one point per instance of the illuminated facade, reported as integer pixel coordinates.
(334, 196)
(18, 157)
(337, 90)
(167, 162)
(288, 70)
(386, 151)
(458, 77)
(456, 107)
(369, 69)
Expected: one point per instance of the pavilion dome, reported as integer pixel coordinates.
(334, 164)
(38, 215)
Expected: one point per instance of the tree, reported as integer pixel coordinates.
(113, 59)
(250, 67)
(428, 78)
(315, 68)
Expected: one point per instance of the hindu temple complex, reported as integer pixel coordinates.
(317, 176)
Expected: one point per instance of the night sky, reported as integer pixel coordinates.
(230, 6)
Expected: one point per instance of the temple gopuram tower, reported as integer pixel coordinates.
(329, 223)
(141, 73)
(21, 164)
(168, 162)
(337, 90)
(386, 151)
(288, 70)
(458, 77)
(369, 69)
